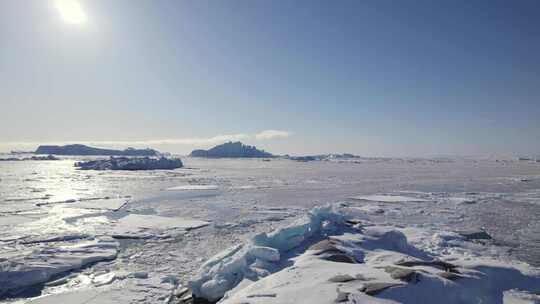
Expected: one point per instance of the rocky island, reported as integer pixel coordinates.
(133, 164)
(232, 150)
(86, 150)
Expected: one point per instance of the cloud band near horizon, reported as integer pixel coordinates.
(191, 141)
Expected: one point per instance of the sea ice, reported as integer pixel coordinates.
(99, 204)
(144, 226)
(515, 296)
(223, 272)
(11, 220)
(193, 187)
(21, 269)
(462, 200)
(357, 262)
(89, 296)
(388, 198)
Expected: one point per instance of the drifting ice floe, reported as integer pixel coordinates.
(91, 296)
(144, 226)
(388, 198)
(99, 204)
(21, 269)
(462, 200)
(331, 256)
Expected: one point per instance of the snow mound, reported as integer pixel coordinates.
(515, 296)
(19, 270)
(332, 256)
(226, 270)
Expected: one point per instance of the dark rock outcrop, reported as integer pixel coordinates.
(373, 288)
(86, 150)
(402, 273)
(329, 250)
(434, 263)
(232, 150)
(475, 235)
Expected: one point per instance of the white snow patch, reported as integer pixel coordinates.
(11, 220)
(359, 263)
(515, 296)
(193, 188)
(462, 200)
(104, 279)
(370, 209)
(226, 270)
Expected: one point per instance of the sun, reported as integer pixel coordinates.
(71, 11)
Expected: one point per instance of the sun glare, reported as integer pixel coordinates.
(71, 11)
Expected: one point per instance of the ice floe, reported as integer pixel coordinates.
(11, 220)
(193, 187)
(145, 226)
(462, 200)
(99, 204)
(388, 198)
(21, 269)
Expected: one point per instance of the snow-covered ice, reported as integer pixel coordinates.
(193, 187)
(331, 256)
(20, 269)
(143, 226)
(474, 215)
(388, 198)
(10, 220)
(101, 204)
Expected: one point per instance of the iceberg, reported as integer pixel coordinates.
(133, 164)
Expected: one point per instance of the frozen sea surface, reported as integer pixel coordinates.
(152, 230)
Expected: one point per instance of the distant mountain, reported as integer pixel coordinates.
(231, 149)
(85, 150)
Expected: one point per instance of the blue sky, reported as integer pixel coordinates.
(390, 78)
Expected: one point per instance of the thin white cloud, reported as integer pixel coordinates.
(190, 141)
(272, 134)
